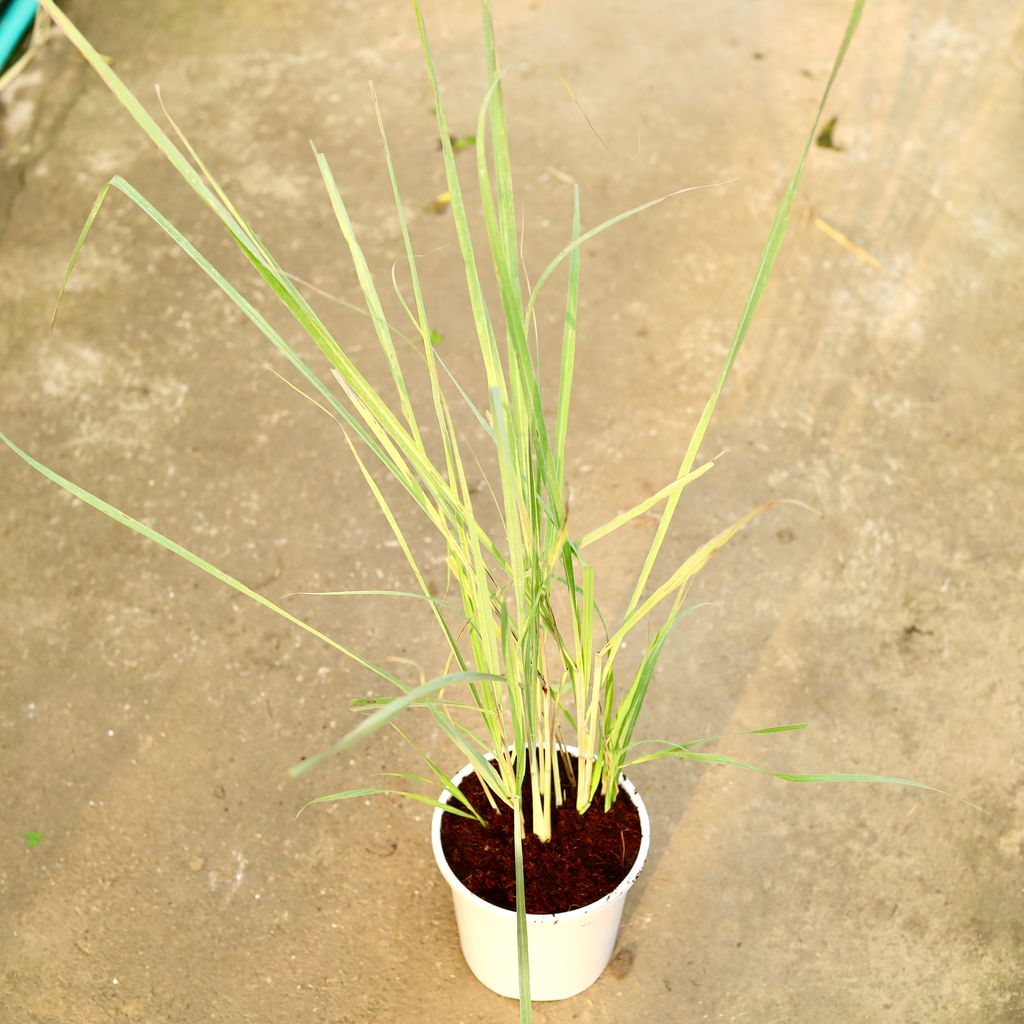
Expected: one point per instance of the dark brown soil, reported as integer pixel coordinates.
(586, 858)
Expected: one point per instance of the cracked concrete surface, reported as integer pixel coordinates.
(147, 715)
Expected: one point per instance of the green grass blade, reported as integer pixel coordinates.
(704, 740)
(139, 113)
(369, 290)
(811, 778)
(690, 567)
(481, 317)
(182, 552)
(477, 414)
(775, 236)
(83, 235)
(476, 754)
(502, 159)
(628, 712)
(568, 360)
(435, 703)
(351, 794)
(522, 941)
(384, 715)
(409, 556)
(638, 510)
(441, 777)
(429, 488)
(376, 593)
(449, 439)
(212, 182)
(575, 244)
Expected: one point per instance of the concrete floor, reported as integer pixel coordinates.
(147, 716)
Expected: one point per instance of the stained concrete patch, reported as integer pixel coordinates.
(147, 716)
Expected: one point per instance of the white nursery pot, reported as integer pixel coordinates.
(568, 951)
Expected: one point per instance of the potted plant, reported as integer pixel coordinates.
(532, 695)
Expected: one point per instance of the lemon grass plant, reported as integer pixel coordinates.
(531, 675)
(527, 649)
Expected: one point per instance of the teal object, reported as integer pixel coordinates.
(14, 23)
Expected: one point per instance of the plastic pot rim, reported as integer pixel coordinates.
(565, 915)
